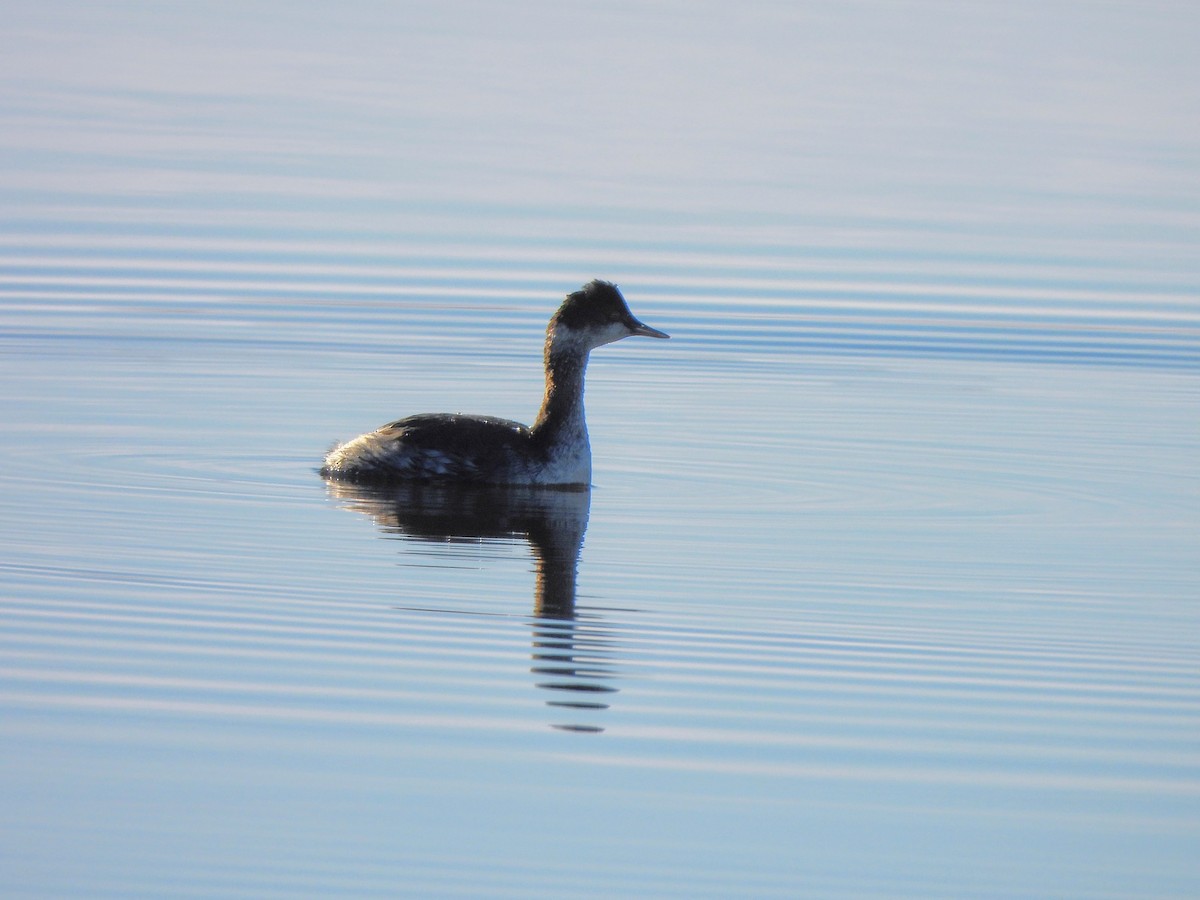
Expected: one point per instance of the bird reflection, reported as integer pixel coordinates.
(572, 652)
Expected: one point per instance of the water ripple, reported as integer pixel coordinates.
(785, 306)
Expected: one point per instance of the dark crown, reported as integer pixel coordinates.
(596, 303)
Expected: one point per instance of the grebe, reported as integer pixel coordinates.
(455, 448)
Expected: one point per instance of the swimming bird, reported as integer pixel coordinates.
(485, 450)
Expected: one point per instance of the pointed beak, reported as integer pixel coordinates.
(640, 328)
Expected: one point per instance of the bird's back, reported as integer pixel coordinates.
(435, 447)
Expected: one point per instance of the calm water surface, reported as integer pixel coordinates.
(887, 585)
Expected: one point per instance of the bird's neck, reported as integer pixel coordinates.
(561, 419)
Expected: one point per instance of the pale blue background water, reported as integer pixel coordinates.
(890, 576)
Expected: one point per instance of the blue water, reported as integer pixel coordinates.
(887, 584)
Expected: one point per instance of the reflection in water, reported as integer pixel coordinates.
(573, 656)
(571, 653)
